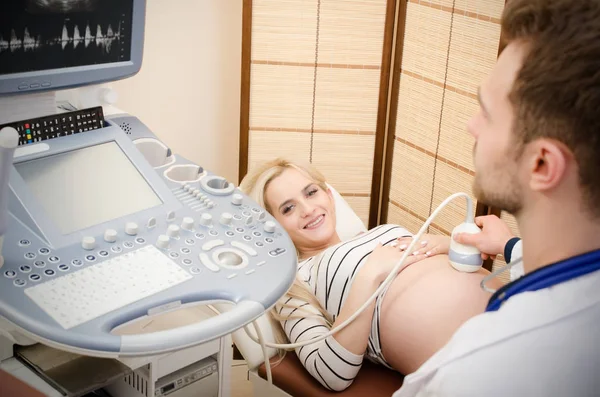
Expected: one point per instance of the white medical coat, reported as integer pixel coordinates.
(542, 343)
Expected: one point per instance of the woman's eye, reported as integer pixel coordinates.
(312, 192)
(287, 209)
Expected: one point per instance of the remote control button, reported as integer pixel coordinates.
(173, 231)
(110, 235)
(163, 241)
(131, 228)
(88, 243)
(237, 199)
(187, 223)
(269, 226)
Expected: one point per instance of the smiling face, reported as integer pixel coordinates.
(304, 209)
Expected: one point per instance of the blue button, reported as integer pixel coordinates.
(103, 253)
(30, 141)
(49, 272)
(63, 267)
(35, 277)
(90, 258)
(25, 268)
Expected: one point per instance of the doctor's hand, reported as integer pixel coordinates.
(492, 239)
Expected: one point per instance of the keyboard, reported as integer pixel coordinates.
(89, 293)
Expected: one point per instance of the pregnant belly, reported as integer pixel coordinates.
(424, 306)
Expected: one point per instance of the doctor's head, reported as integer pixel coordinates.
(538, 128)
(299, 199)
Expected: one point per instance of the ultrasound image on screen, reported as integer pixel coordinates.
(52, 34)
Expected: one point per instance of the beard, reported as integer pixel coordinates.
(496, 190)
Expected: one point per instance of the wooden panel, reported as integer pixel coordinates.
(268, 145)
(345, 160)
(426, 41)
(351, 32)
(456, 144)
(347, 99)
(281, 96)
(419, 110)
(449, 180)
(473, 52)
(412, 178)
(284, 30)
(400, 217)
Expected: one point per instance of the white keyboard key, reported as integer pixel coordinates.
(89, 293)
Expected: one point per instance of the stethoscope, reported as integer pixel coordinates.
(544, 277)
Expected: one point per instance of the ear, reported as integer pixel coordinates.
(548, 164)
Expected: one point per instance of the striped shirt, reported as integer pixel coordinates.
(329, 276)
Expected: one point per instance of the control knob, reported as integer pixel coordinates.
(163, 241)
(131, 228)
(237, 199)
(88, 243)
(226, 218)
(206, 219)
(173, 231)
(187, 223)
(110, 235)
(269, 226)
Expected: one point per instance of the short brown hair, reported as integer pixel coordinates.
(556, 94)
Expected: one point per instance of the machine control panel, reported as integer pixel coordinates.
(131, 237)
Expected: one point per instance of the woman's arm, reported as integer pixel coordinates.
(327, 361)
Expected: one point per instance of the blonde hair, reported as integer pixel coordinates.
(255, 184)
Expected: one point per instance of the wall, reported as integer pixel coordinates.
(188, 90)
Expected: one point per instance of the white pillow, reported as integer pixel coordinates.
(348, 224)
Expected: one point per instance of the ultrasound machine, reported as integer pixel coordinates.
(101, 224)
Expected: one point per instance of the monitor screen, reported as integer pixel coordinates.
(51, 44)
(87, 186)
(51, 34)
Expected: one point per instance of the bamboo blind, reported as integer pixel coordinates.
(449, 48)
(314, 88)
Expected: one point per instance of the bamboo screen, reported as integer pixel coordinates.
(314, 88)
(449, 48)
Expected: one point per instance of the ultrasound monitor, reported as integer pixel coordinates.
(57, 44)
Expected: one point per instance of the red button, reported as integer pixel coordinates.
(26, 125)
